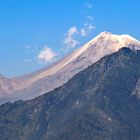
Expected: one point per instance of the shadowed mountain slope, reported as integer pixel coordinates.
(99, 103)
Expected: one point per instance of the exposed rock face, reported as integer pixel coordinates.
(96, 104)
(47, 79)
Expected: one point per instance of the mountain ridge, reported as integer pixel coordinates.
(48, 79)
(96, 103)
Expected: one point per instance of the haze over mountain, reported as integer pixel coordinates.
(42, 81)
(100, 103)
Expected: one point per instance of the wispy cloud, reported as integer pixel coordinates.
(46, 55)
(31, 52)
(39, 54)
(72, 36)
(86, 29)
(90, 18)
(88, 5)
(31, 49)
(69, 39)
(88, 26)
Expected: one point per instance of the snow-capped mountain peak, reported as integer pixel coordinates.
(119, 40)
(47, 79)
(106, 43)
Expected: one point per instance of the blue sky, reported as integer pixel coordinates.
(35, 33)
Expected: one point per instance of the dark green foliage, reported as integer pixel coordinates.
(96, 104)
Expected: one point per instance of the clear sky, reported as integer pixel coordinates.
(35, 33)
